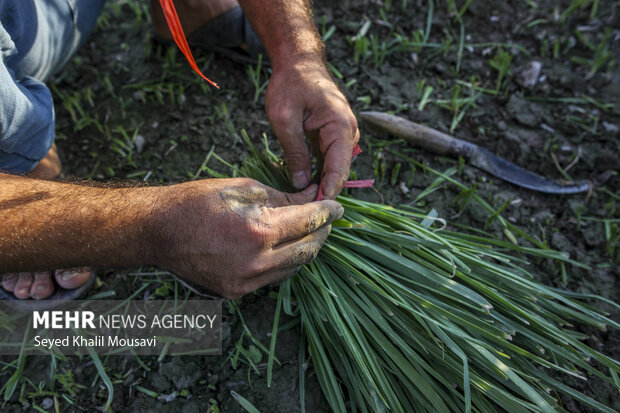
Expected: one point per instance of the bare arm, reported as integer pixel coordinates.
(286, 29)
(47, 225)
(229, 235)
(302, 96)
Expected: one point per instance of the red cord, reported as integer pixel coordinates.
(172, 18)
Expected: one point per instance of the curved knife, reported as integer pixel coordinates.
(443, 144)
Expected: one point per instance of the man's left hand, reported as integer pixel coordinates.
(302, 99)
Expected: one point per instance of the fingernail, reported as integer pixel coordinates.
(339, 212)
(336, 213)
(300, 179)
(330, 187)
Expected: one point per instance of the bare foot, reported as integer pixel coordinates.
(48, 167)
(192, 14)
(39, 285)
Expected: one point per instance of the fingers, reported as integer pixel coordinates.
(297, 221)
(287, 123)
(266, 278)
(282, 262)
(337, 142)
(290, 257)
(281, 199)
(302, 251)
(276, 275)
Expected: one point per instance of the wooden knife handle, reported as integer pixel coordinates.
(419, 135)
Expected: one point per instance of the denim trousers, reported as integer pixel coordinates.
(37, 38)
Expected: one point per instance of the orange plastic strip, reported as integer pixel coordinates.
(172, 18)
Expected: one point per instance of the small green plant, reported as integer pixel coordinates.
(124, 146)
(458, 105)
(378, 50)
(243, 402)
(68, 383)
(365, 100)
(454, 10)
(326, 33)
(602, 54)
(426, 97)
(334, 70)
(361, 44)
(501, 62)
(224, 114)
(612, 239)
(255, 76)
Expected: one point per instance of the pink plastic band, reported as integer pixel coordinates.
(349, 184)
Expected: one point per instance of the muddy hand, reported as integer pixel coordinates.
(233, 236)
(302, 98)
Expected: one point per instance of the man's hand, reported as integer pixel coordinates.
(234, 236)
(231, 236)
(302, 99)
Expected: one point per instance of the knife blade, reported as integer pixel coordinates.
(443, 144)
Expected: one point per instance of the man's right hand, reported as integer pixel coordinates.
(234, 236)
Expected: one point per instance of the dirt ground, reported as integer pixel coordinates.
(130, 108)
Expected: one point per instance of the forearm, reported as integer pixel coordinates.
(46, 224)
(286, 29)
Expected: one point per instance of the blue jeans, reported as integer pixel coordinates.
(37, 38)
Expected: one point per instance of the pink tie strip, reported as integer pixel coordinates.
(367, 183)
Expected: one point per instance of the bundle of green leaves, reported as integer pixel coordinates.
(401, 314)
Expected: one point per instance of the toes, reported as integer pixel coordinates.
(9, 281)
(42, 286)
(73, 277)
(22, 287)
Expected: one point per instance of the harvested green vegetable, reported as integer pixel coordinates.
(403, 316)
